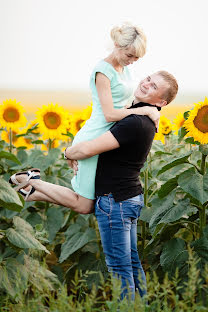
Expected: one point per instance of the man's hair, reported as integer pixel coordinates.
(170, 94)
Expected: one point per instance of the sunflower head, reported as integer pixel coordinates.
(11, 115)
(78, 119)
(165, 126)
(197, 122)
(178, 122)
(53, 121)
(159, 136)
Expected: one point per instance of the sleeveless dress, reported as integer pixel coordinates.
(121, 88)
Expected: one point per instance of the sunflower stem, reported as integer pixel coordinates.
(10, 140)
(143, 228)
(203, 164)
(49, 144)
(202, 218)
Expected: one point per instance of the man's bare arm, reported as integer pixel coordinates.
(86, 149)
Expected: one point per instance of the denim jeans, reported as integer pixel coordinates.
(117, 223)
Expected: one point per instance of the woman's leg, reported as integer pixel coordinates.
(59, 195)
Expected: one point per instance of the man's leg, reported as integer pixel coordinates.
(116, 242)
(138, 272)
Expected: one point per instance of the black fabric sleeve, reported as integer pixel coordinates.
(126, 131)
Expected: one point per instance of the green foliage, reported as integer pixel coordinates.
(43, 246)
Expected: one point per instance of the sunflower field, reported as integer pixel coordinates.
(51, 258)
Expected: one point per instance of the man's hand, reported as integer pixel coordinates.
(73, 164)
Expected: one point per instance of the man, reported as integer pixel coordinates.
(123, 150)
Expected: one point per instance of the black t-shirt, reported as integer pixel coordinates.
(118, 170)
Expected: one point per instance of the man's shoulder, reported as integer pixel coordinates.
(135, 119)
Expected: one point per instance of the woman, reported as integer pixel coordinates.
(111, 90)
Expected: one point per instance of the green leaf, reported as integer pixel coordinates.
(201, 245)
(10, 157)
(161, 206)
(191, 141)
(8, 197)
(167, 187)
(186, 114)
(194, 184)
(23, 235)
(181, 134)
(175, 162)
(173, 250)
(38, 142)
(53, 156)
(55, 219)
(22, 155)
(76, 242)
(21, 225)
(203, 148)
(146, 213)
(174, 213)
(13, 277)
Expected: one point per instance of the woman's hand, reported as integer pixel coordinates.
(151, 112)
(73, 164)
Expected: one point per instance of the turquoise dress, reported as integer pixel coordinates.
(121, 88)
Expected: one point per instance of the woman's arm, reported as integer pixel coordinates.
(112, 114)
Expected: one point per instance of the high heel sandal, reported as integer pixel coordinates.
(31, 173)
(25, 193)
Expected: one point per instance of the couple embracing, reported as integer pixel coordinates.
(122, 138)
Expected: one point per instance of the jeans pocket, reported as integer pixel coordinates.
(136, 200)
(103, 206)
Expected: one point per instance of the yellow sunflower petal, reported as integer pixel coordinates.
(11, 115)
(16, 141)
(53, 121)
(178, 122)
(159, 136)
(197, 122)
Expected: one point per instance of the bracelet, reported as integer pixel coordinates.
(65, 154)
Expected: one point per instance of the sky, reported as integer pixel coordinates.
(54, 44)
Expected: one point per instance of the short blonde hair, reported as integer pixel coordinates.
(170, 94)
(128, 35)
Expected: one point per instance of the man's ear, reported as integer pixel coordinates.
(162, 103)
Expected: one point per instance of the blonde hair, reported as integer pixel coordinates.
(170, 94)
(129, 35)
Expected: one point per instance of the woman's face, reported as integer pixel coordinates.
(125, 56)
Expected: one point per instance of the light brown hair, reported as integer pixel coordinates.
(170, 94)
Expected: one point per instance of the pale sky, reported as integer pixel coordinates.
(54, 44)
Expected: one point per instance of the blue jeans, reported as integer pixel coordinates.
(117, 223)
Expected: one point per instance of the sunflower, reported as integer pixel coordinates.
(52, 121)
(16, 141)
(178, 122)
(160, 137)
(197, 122)
(165, 126)
(78, 119)
(11, 115)
(76, 122)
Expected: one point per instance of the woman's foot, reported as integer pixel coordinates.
(21, 179)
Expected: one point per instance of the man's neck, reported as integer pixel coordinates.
(140, 104)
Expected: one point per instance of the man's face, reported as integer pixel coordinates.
(151, 90)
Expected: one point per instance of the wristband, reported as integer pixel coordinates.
(65, 154)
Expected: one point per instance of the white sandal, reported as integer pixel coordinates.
(31, 173)
(26, 194)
